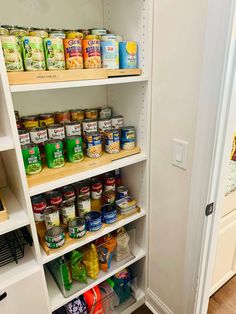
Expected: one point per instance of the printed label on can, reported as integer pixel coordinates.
(110, 54)
(73, 129)
(96, 191)
(68, 213)
(89, 126)
(39, 216)
(117, 122)
(103, 125)
(52, 219)
(38, 137)
(24, 138)
(84, 206)
(56, 133)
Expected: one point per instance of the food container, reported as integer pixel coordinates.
(39, 204)
(128, 52)
(57, 33)
(83, 188)
(77, 115)
(30, 122)
(96, 189)
(68, 191)
(62, 116)
(128, 138)
(54, 53)
(91, 114)
(38, 136)
(19, 32)
(109, 181)
(37, 32)
(17, 117)
(12, 53)
(110, 54)
(77, 228)
(99, 32)
(56, 131)
(93, 221)
(73, 128)
(73, 34)
(105, 113)
(54, 154)
(122, 192)
(46, 119)
(32, 159)
(109, 37)
(117, 122)
(68, 210)
(126, 205)
(52, 218)
(104, 124)
(89, 126)
(112, 141)
(85, 32)
(109, 214)
(55, 237)
(74, 149)
(54, 198)
(109, 197)
(24, 137)
(73, 53)
(94, 145)
(4, 31)
(92, 53)
(33, 53)
(84, 204)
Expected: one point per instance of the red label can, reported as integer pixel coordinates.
(96, 189)
(109, 182)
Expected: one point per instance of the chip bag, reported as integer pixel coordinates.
(90, 260)
(105, 248)
(122, 250)
(78, 269)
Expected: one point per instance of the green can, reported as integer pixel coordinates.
(74, 148)
(32, 159)
(54, 154)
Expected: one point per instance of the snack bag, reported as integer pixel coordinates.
(90, 260)
(78, 269)
(76, 306)
(122, 250)
(121, 284)
(105, 248)
(93, 301)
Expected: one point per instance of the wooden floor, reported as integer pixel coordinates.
(142, 310)
(224, 300)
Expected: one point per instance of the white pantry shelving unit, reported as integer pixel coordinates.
(129, 96)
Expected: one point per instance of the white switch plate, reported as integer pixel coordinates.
(180, 153)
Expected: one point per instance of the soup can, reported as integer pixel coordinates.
(128, 52)
(52, 218)
(73, 53)
(73, 128)
(112, 141)
(30, 122)
(84, 204)
(55, 237)
(33, 53)
(54, 154)
(109, 181)
(117, 122)
(96, 189)
(128, 138)
(68, 191)
(109, 197)
(92, 53)
(73, 34)
(56, 132)
(68, 210)
(46, 119)
(57, 33)
(77, 114)
(39, 204)
(62, 117)
(91, 114)
(54, 53)
(83, 188)
(24, 137)
(32, 159)
(105, 113)
(109, 213)
(77, 228)
(38, 135)
(122, 192)
(12, 53)
(104, 124)
(94, 145)
(54, 198)
(74, 149)
(93, 221)
(110, 54)
(89, 126)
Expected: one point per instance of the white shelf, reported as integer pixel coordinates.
(17, 215)
(120, 163)
(6, 143)
(57, 299)
(132, 303)
(92, 237)
(73, 84)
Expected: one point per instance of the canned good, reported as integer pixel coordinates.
(68, 210)
(104, 124)
(96, 189)
(38, 204)
(77, 115)
(112, 141)
(17, 117)
(56, 131)
(74, 149)
(109, 214)
(54, 198)
(109, 197)
(73, 34)
(122, 192)
(73, 128)
(55, 245)
(92, 53)
(77, 228)
(117, 122)
(68, 191)
(84, 204)
(30, 122)
(36, 32)
(38, 135)
(94, 145)
(91, 114)
(128, 52)
(93, 221)
(73, 53)
(33, 53)
(52, 218)
(54, 53)
(54, 154)
(62, 116)
(32, 159)
(57, 33)
(12, 53)
(54, 235)
(118, 177)
(105, 113)
(109, 37)
(24, 137)
(19, 32)
(99, 32)
(128, 138)
(109, 181)
(110, 54)
(83, 188)
(85, 32)
(46, 119)
(4, 31)
(89, 126)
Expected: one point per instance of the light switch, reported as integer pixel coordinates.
(180, 152)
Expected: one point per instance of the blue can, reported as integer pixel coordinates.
(128, 138)
(93, 221)
(128, 52)
(122, 192)
(109, 214)
(110, 54)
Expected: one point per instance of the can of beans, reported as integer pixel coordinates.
(54, 154)
(32, 159)
(39, 136)
(52, 218)
(68, 210)
(128, 138)
(77, 228)
(122, 192)
(68, 191)
(24, 137)
(94, 145)
(54, 198)
(104, 124)
(56, 132)
(84, 204)
(91, 114)
(30, 122)
(77, 114)
(117, 122)
(73, 128)
(89, 126)
(109, 214)
(109, 197)
(112, 141)
(109, 181)
(46, 119)
(93, 221)
(96, 189)
(74, 149)
(83, 188)
(38, 204)
(62, 116)
(105, 113)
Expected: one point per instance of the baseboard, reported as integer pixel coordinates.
(155, 304)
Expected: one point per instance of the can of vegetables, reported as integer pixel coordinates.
(74, 149)
(73, 53)
(92, 52)
(54, 53)
(54, 154)
(32, 159)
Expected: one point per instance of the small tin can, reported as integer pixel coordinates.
(112, 141)
(30, 122)
(52, 218)
(128, 52)
(68, 191)
(32, 159)
(109, 214)
(93, 221)
(117, 122)
(24, 137)
(54, 235)
(54, 198)
(77, 114)
(38, 135)
(109, 197)
(84, 204)
(89, 126)
(56, 132)
(91, 114)
(77, 228)
(104, 124)
(83, 188)
(99, 32)
(73, 128)
(128, 138)
(54, 154)
(96, 189)
(74, 149)
(94, 145)
(62, 117)
(109, 181)
(38, 204)
(110, 54)
(68, 210)
(122, 192)
(105, 113)
(46, 119)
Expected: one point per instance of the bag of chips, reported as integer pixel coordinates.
(90, 260)
(76, 306)
(105, 248)
(93, 301)
(78, 269)
(122, 250)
